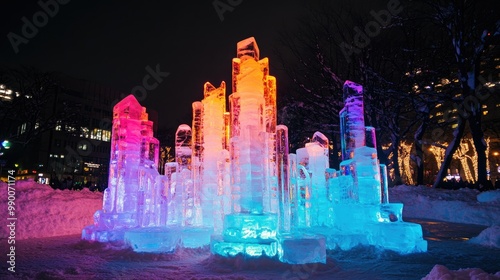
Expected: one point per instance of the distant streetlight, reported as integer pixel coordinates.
(6, 144)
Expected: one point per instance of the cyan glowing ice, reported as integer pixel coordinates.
(236, 187)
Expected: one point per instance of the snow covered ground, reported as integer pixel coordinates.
(461, 226)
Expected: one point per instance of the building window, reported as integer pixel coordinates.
(58, 126)
(106, 135)
(84, 132)
(82, 147)
(70, 128)
(96, 134)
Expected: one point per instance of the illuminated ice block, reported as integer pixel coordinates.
(153, 239)
(352, 119)
(302, 248)
(367, 176)
(283, 166)
(317, 151)
(384, 184)
(135, 196)
(235, 186)
(213, 195)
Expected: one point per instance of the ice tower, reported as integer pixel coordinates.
(137, 195)
(358, 211)
(235, 186)
(251, 227)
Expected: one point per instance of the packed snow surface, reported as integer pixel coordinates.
(466, 206)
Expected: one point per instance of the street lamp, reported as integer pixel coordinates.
(6, 144)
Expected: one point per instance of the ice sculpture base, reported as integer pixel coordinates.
(252, 235)
(353, 217)
(250, 228)
(196, 237)
(302, 248)
(113, 221)
(401, 237)
(267, 248)
(153, 239)
(92, 233)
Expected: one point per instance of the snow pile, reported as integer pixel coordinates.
(466, 206)
(489, 196)
(44, 212)
(488, 237)
(440, 272)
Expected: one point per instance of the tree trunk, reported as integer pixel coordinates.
(479, 145)
(419, 151)
(395, 160)
(450, 150)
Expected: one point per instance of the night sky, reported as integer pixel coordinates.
(112, 43)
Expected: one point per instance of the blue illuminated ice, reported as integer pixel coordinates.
(235, 186)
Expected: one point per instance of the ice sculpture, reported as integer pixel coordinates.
(236, 187)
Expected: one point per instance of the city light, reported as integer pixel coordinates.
(6, 144)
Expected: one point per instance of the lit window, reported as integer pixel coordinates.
(51, 155)
(82, 147)
(84, 132)
(58, 126)
(484, 106)
(485, 113)
(23, 128)
(62, 156)
(56, 156)
(96, 134)
(106, 135)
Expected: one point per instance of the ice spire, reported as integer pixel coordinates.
(212, 192)
(352, 119)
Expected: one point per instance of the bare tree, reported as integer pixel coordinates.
(468, 26)
(30, 112)
(327, 53)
